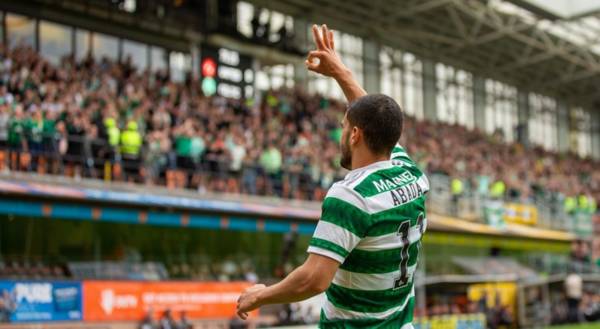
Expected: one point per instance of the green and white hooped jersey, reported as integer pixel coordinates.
(372, 223)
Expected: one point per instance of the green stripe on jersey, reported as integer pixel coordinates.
(370, 301)
(380, 204)
(382, 261)
(345, 215)
(395, 321)
(324, 244)
(386, 222)
(399, 153)
(398, 150)
(387, 179)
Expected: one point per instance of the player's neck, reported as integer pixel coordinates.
(363, 160)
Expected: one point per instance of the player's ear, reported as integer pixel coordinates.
(355, 135)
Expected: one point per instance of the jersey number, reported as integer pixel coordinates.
(403, 279)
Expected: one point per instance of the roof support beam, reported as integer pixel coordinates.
(469, 34)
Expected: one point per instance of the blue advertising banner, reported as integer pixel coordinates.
(40, 301)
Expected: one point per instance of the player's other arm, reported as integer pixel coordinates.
(335, 236)
(326, 61)
(310, 279)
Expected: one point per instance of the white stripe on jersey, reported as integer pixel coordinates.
(398, 154)
(346, 194)
(352, 178)
(383, 201)
(336, 234)
(366, 281)
(391, 240)
(334, 313)
(326, 253)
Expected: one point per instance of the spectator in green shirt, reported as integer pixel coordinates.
(49, 131)
(183, 145)
(156, 154)
(16, 140)
(270, 160)
(16, 130)
(5, 117)
(336, 134)
(34, 127)
(197, 147)
(189, 145)
(52, 139)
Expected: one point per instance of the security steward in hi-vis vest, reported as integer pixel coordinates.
(131, 143)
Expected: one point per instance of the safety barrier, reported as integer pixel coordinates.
(470, 205)
(94, 158)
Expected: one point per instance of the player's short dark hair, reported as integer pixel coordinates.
(380, 118)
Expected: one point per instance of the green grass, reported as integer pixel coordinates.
(595, 325)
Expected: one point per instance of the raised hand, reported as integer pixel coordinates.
(325, 60)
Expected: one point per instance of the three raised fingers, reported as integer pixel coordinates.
(323, 38)
(325, 34)
(331, 44)
(317, 38)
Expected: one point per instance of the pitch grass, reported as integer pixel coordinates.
(595, 325)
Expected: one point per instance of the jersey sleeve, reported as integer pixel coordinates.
(343, 223)
(399, 153)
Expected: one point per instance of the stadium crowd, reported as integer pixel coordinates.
(106, 119)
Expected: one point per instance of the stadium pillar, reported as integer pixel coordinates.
(301, 41)
(371, 67)
(479, 108)
(595, 131)
(195, 51)
(562, 126)
(429, 91)
(523, 117)
(301, 76)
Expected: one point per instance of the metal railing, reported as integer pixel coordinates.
(474, 206)
(95, 158)
(212, 171)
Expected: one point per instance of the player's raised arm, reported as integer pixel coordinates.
(326, 61)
